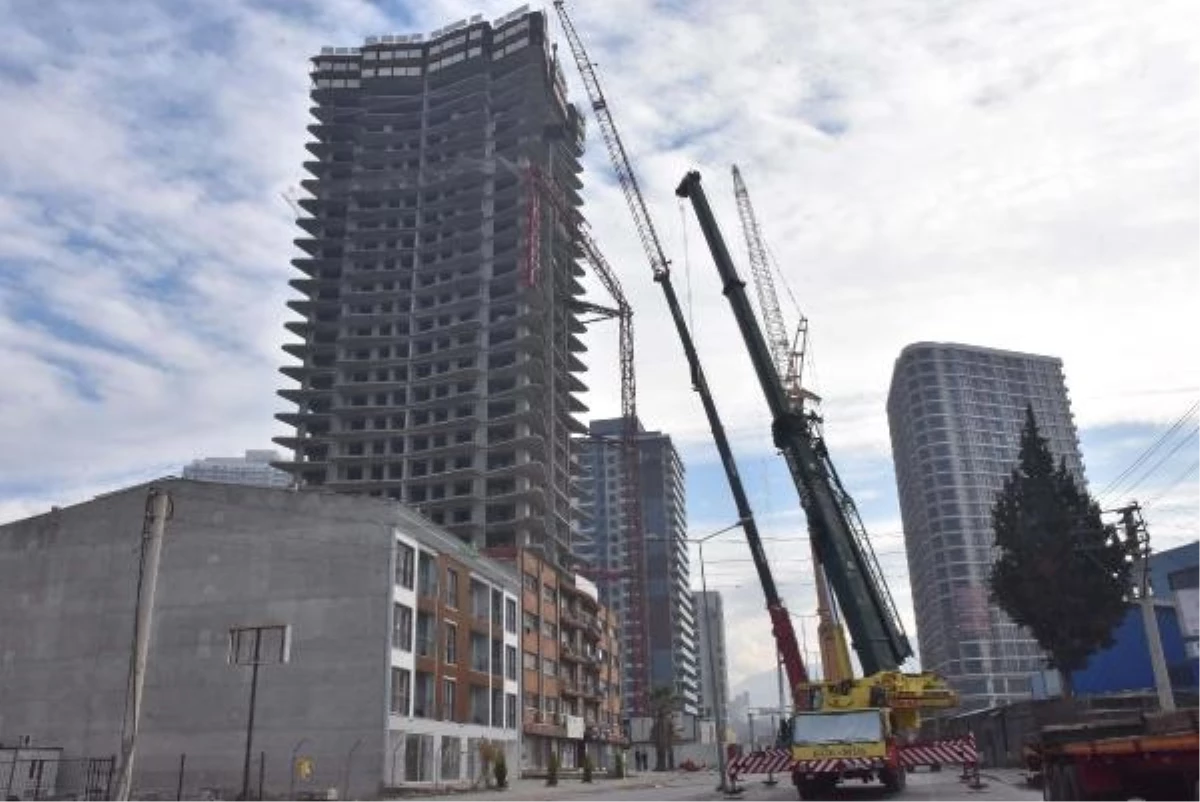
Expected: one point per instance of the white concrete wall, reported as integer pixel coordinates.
(233, 556)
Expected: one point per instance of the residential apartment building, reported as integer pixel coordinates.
(393, 648)
(714, 663)
(955, 414)
(667, 613)
(571, 667)
(438, 353)
(252, 469)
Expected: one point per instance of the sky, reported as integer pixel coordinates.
(1016, 175)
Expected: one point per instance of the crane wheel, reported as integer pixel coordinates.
(894, 780)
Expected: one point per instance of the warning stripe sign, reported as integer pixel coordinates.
(948, 751)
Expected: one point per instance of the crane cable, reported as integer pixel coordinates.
(687, 268)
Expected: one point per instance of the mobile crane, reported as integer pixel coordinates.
(883, 644)
(781, 621)
(788, 355)
(849, 728)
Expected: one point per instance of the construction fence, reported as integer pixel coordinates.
(43, 774)
(1002, 732)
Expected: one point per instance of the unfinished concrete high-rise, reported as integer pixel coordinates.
(438, 363)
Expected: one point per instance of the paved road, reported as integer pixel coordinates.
(999, 786)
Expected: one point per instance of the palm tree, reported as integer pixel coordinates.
(663, 702)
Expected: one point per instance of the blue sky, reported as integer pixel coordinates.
(1014, 175)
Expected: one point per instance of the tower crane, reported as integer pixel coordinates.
(788, 355)
(538, 185)
(781, 622)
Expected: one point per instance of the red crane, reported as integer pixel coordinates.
(782, 629)
(635, 571)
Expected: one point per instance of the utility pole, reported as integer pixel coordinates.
(1135, 530)
(246, 647)
(157, 508)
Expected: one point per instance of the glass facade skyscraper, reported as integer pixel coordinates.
(668, 615)
(955, 413)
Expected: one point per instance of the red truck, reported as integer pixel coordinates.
(1152, 756)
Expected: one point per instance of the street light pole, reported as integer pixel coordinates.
(712, 670)
(717, 701)
(712, 661)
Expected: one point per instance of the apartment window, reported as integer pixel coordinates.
(402, 627)
(451, 757)
(449, 698)
(530, 623)
(428, 575)
(549, 630)
(510, 711)
(496, 612)
(530, 661)
(497, 719)
(510, 616)
(451, 643)
(549, 667)
(452, 588)
(510, 662)
(423, 701)
(531, 582)
(401, 690)
(426, 635)
(548, 594)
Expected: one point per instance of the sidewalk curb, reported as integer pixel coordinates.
(1019, 782)
(555, 791)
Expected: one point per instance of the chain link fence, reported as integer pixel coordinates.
(43, 777)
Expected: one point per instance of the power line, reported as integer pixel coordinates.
(1145, 455)
(1177, 480)
(1155, 467)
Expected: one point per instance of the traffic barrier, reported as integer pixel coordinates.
(939, 753)
(764, 762)
(948, 751)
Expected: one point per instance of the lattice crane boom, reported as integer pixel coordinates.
(837, 533)
(782, 627)
(616, 148)
(760, 271)
(787, 354)
(631, 482)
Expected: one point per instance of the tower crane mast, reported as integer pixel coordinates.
(635, 573)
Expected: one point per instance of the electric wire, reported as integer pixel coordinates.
(1153, 469)
(1173, 484)
(1111, 487)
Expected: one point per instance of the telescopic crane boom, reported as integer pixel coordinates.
(837, 533)
(781, 622)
